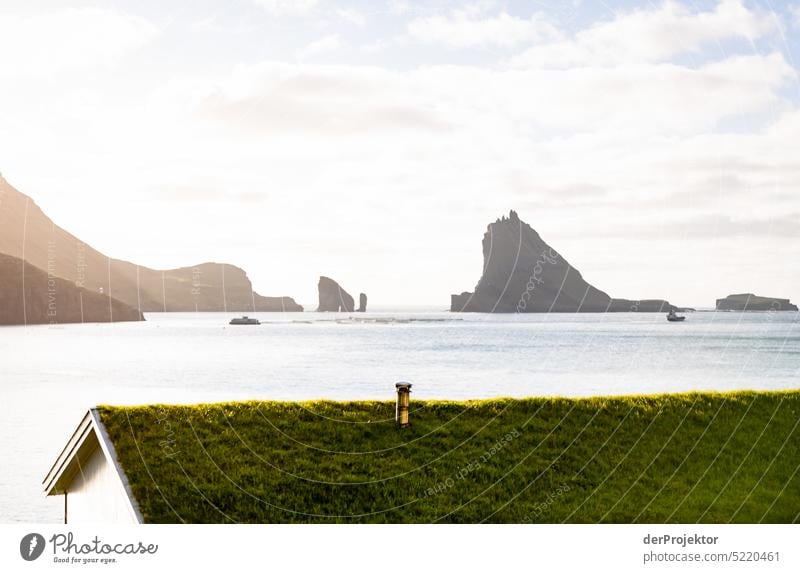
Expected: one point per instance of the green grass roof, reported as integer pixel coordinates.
(671, 458)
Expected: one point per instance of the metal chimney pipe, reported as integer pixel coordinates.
(401, 413)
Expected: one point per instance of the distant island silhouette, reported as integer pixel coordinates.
(66, 280)
(522, 273)
(749, 301)
(333, 298)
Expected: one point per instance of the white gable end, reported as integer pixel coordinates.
(96, 495)
(87, 474)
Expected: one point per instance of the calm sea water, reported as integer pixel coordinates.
(49, 376)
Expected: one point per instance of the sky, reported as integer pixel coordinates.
(653, 144)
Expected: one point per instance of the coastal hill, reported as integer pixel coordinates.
(29, 295)
(26, 232)
(522, 273)
(749, 301)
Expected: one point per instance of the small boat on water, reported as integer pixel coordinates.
(672, 317)
(244, 320)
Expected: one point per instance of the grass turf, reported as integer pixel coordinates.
(701, 457)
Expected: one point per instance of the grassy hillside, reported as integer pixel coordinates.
(673, 458)
(29, 295)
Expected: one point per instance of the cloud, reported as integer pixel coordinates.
(470, 28)
(206, 24)
(724, 226)
(796, 13)
(352, 16)
(399, 6)
(637, 100)
(195, 190)
(46, 43)
(650, 35)
(284, 99)
(324, 45)
(288, 7)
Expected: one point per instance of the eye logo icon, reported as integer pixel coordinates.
(31, 547)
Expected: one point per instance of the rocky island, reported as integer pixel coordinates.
(26, 232)
(522, 273)
(750, 301)
(333, 298)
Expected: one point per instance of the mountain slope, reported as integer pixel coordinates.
(29, 295)
(28, 233)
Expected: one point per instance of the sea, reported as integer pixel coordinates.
(51, 374)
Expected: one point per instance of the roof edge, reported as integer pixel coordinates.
(111, 454)
(68, 451)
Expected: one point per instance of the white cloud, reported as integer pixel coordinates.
(206, 24)
(796, 14)
(471, 27)
(284, 100)
(626, 104)
(288, 7)
(650, 35)
(352, 16)
(399, 6)
(46, 43)
(324, 45)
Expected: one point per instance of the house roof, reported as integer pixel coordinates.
(505, 460)
(88, 437)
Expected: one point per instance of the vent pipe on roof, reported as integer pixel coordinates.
(401, 413)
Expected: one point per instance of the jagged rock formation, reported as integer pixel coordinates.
(522, 273)
(749, 301)
(27, 233)
(362, 302)
(29, 295)
(333, 298)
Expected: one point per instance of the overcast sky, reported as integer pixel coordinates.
(653, 144)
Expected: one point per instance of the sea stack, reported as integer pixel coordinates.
(333, 298)
(362, 302)
(522, 273)
(750, 301)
